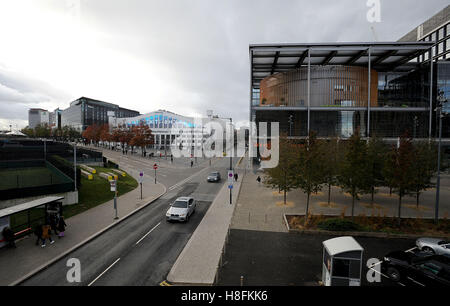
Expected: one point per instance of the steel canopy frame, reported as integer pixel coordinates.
(268, 59)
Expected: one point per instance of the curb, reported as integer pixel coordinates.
(356, 234)
(90, 238)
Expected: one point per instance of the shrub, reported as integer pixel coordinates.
(339, 225)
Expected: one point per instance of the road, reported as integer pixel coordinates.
(141, 249)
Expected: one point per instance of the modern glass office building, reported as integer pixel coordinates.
(336, 88)
(84, 112)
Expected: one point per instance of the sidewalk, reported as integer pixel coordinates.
(199, 261)
(27, 257)
(262, 209)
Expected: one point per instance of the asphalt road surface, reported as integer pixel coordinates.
(291, 259)
(141, 249)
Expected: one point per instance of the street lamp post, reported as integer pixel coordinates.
(441, 99)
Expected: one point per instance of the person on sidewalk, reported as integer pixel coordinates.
(171, 158)
(38, 233)
(46, 234)
(236, 177)
(259, 180)
(8, 235)
(61, 227)
(52, 222)
(192, 163)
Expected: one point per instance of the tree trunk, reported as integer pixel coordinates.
(417, 198)
(284, 196)
(353, 206)
(373, 192)
(307, 208)
(329, 194)
(399, 209)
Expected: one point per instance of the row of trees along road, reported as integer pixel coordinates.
(355, 165)
(45, 131)
(136, 136)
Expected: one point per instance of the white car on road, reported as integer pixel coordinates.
(181, 209)
(434, 246)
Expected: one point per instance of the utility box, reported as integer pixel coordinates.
(342, 262)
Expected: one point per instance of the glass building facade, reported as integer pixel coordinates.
(335, 90)
(84, 112)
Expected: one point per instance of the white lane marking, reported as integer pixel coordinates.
(148, 233)
(411, 250)
(103, 272)
(415, 281)
(187, 179)
(371, 268)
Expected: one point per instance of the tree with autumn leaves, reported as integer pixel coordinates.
(142, 137)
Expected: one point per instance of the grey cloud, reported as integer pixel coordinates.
(204, 43)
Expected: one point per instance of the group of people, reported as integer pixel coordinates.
(44, 231)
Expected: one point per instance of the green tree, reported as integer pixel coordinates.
(352, 176)
(28, 131)
(425, 165)
(310, 168)
(376, 152)
(399, 170)
(283, 177)
(330, 149)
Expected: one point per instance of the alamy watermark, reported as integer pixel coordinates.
(374, 13)
(217, 138)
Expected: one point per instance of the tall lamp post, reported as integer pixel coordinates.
(231, 153)
(443, 109)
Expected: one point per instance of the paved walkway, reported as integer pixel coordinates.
(27, 257)
(262, 209)
(198, 263)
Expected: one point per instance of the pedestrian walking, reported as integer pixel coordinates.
(258, 179)
(46, 234)
(192, 163)
(236, 177)
(171, 158)
(52, 222)
(61, 227)
(38, 233)
(8, 235)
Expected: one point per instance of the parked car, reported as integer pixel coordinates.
(433, 246)
(214, 177)
(181, 209)
(420, 268)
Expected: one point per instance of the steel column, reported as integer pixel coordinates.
(309, 90)
(369, 81)
(431, 97)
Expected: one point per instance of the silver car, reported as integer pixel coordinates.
(433, 246)
(181, 209)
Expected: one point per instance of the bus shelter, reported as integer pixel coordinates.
(342, 262)
(25, 215)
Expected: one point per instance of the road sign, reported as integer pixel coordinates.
(155, 166)
(230, 186)
(141, 177)
(113, 185)
(230, 177)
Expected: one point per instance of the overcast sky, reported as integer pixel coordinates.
(185, 56)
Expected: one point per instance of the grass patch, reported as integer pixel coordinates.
(98, 191)
(370, 224)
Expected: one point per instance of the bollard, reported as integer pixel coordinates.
(248, 217)
(242, 280)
